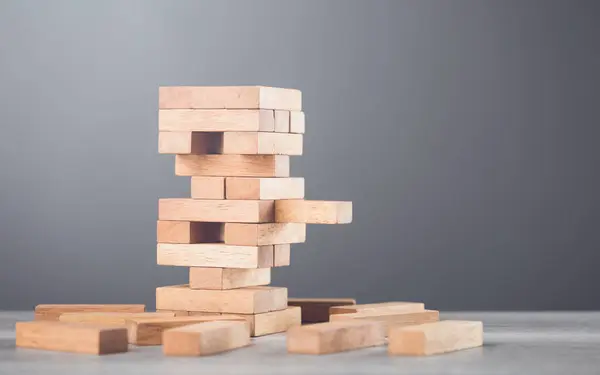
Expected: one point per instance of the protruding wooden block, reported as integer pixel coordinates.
(380, 307)
(228, 278)
(69, 337)
(251, 300)
(282, 121)
(334, 337)
(435, 338)
(233, 165)
(271, 322)
(185, 143)
(253, 143)
(264, 188)
(214, 255)
(391, 318)
(316, 310)
(281, 255)
(240, 211)
(297, 121)
(110, 318)
(205, 338)
(313, 212)
(186, 120)
(264, 234)
(52, 312)
(203, 187)
(224, 97)
(189, 232)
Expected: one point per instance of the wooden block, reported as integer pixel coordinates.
(334, 337)
(202, 313)
(316, 310)
(251, 300)
(297, 122)
(391, 318)
(187, 142)
(282, 121)
(241, 211)
(271, 322)
(233, 165)
(110, 318)
(214, 255)
(228, 278)
(223, 97)
(176, 313)
(264, 188)
(378, 308)
(313, 212)
(253, 143)
(205, 338)
(208, 187)
(281, 255)
(435, 338)
(264, 234)
(189, 232)
(186, 120)
(70, 337)
(52, 312)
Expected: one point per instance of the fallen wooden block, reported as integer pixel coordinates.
(223, 97)
(281, 255)
(316, 310)
(233, 165)
(297, 121)
(52, 312)
(188, 232)
(214, 255)
(264, 188)
(205, 338)
(391, 318)
(241, 211)
(264, 234)
(435, 338)
(282, 121)
(186, 142)
(313, 212)
(203, 187)
(110, 318)
(186, 120)
(69, 337)
(228, 278)
(271, 322)
(378, 307)
(334, 337)
(250, 300)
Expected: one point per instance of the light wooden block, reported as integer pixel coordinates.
(313, 212)
(186, 120)
(176, 313)
(228, 278)
(380, 307)
(69, 337)
(202, 313)
(52, 312)
(264, 234)
(188, 232)
(253, 143)
(391, 318)
(223, 97)
(281, 255)
(233, 165)
(271, 322)
(250, 300)
(240, 211)
(214, 255)
(203, 187)
(334, 337)
(264, 188)
(110, 318)
(316, 310)
(282, 121)
(297, 122)
(186, 142)
(205, 338)
(435, 338)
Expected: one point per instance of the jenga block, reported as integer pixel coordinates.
(251, 300)
(233, 165)
(334, 337)
(214, 255)
(205, 338)
(202, 313)
(228, 278)
(70, 337)
(264, 234)
(435, 338)
(203, 187)
(241, 211)
(316, 310)
(52, 312)
(391, 318)
(313, 212)
(264, 188)
(253, 143)
(185, 143)
(380, 307)
(297, 121)
(228, 97)
(186, 120)
(110, 318)
(271, 322)
(189, 232)
(282, 121)
(176, 312)
(281, 255)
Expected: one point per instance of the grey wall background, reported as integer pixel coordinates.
(465, 132)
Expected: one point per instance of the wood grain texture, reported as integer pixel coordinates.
(271, 322)
(297, 122)
(391, 318)
(379, 307)
(233, 165)
(281, 255)
(228, 278)
(110, 318)
(282, 121)
(189, 232)
(175, 312)
(203, 187)
(264, 234)
(255, 143)
(186, 120)
(52, 312)
(313, 212)
(316, 310)
(240, 211)
(69, 337)
(435, 338)
(214, 255)
(205, 338)
(186, 142)
(264, 188)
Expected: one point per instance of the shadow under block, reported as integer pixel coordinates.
(208, 187)
(271, 322)
(313, 212)
(205, 338)
(214, 255)
(381, 307)
(250, 300)
(297, 122)
(188, 232)
(264, 188)
(316, 310)
(334, 337)
(52, 312)
(228, 278)
(70, 337)
(281, 255)
(240, 211)
(110, 318)
(264, 234)
(224, 97)
(233, 165)
(435, 338)
(391, 318)
(202, 120)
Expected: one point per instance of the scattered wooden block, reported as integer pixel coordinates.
(186, 142)
(264, 188)
(228, 278)
(188, 232)
(186, 120)
(271, 322)
(435, 338)
(297, 121)
(205, 338)
(264, 234)
(214, 255)
(281, 255)
(110, 318)
(313, 212)
(69, 337)
(52, 312)
(251, 300)
(203, 187)
(381, 307)
(316, 310)
(254, 143)
(233, 165)
(334, 337)
(241, 211)
(390, 318)
(282, 121)
(224, 97)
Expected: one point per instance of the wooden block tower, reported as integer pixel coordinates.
(245, 210)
